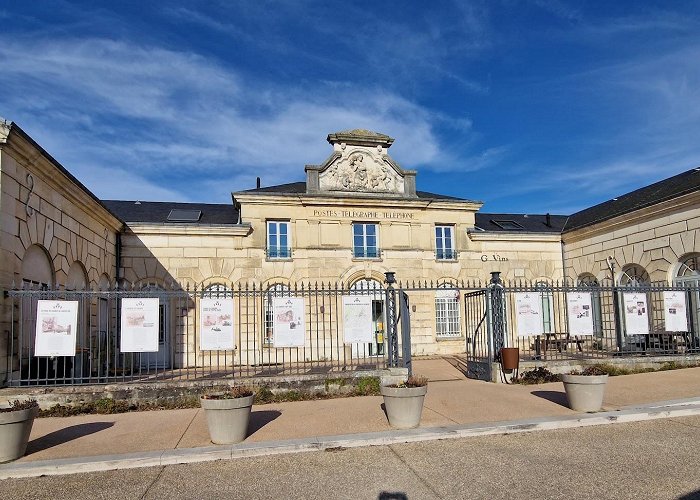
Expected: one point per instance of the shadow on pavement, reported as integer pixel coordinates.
(553, 396)
(259, 419)
(66, 434)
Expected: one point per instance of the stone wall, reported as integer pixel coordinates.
(47, 215)
(656, 238)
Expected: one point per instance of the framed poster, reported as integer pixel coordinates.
(139, 324)
(580, 313)
(216, 325)
(528, 313)
(357, 319)
(288, 321)
(675, 311)
(636, 316)
(56, 325)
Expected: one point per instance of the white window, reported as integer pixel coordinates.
(364, 241)
(447, 322)
(444, 243)
(279, 240)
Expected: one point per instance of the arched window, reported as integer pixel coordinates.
(447, 321)
(36, 267)
(77, 277)
(275, 290)
(689, 269)
(633, 275)
(216, 291)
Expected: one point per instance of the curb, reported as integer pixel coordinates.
(653, 411)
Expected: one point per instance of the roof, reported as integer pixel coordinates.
(297, 188)
(667, 189)
(157, 212)
(530, 223)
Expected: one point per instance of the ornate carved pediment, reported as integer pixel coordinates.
(360, 164)
(360, 171)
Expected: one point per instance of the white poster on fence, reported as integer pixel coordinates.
(636, 316)
(580, 313)
(216, 325)
(289, 329)
(56, 325)
(357, 319)
(528, 313)
(139, 324)
(675, 311)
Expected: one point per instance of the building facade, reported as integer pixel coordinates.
(356, 216)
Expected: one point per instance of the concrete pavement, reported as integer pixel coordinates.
(452, 403)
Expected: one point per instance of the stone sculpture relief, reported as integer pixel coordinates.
(360, 172)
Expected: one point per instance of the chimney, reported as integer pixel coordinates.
(257, 184)
(549, 220)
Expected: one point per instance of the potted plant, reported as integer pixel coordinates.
(228, 414)
(585, 388)
(16, 423)
(404, 402)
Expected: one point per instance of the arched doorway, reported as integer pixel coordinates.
(36, 274)
(375, 289)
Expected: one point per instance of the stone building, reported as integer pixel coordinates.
(356, 216)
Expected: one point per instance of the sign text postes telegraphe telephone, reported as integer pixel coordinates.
(363, 214)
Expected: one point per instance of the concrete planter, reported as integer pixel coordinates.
(585, 392)
(227, 419)
(403, 405)
(15, 427)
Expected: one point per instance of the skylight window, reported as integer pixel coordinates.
(508, 225)
(183, 215)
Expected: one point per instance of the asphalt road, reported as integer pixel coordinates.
(646, 460)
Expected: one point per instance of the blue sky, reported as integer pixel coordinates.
(530, 106)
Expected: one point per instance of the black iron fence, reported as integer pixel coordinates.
(99, 357)
(546, 321)
(639, 320)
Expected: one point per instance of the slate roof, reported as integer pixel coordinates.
(297, 188)
(530, 223)
(667, 189)
(156, 212)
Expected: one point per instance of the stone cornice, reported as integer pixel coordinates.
(173, 229)
(383, 201)
(687, 201)
(513, 236)
(34, 158)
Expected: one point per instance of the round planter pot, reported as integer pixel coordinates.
(585, 392)
(227, 419)
(403, 405)
(15, 427)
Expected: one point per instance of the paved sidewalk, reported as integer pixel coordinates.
(452, 401)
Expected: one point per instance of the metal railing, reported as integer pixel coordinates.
(99, 359)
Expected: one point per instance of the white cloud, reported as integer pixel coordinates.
(102, 105)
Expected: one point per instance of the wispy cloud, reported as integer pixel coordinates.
(175, 116)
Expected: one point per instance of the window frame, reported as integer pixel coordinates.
(365, 254)
(448, 317)
(442, 252)
(276, 251)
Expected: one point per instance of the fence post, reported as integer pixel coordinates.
(497, 299)
(405, 317)
(393, 355)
